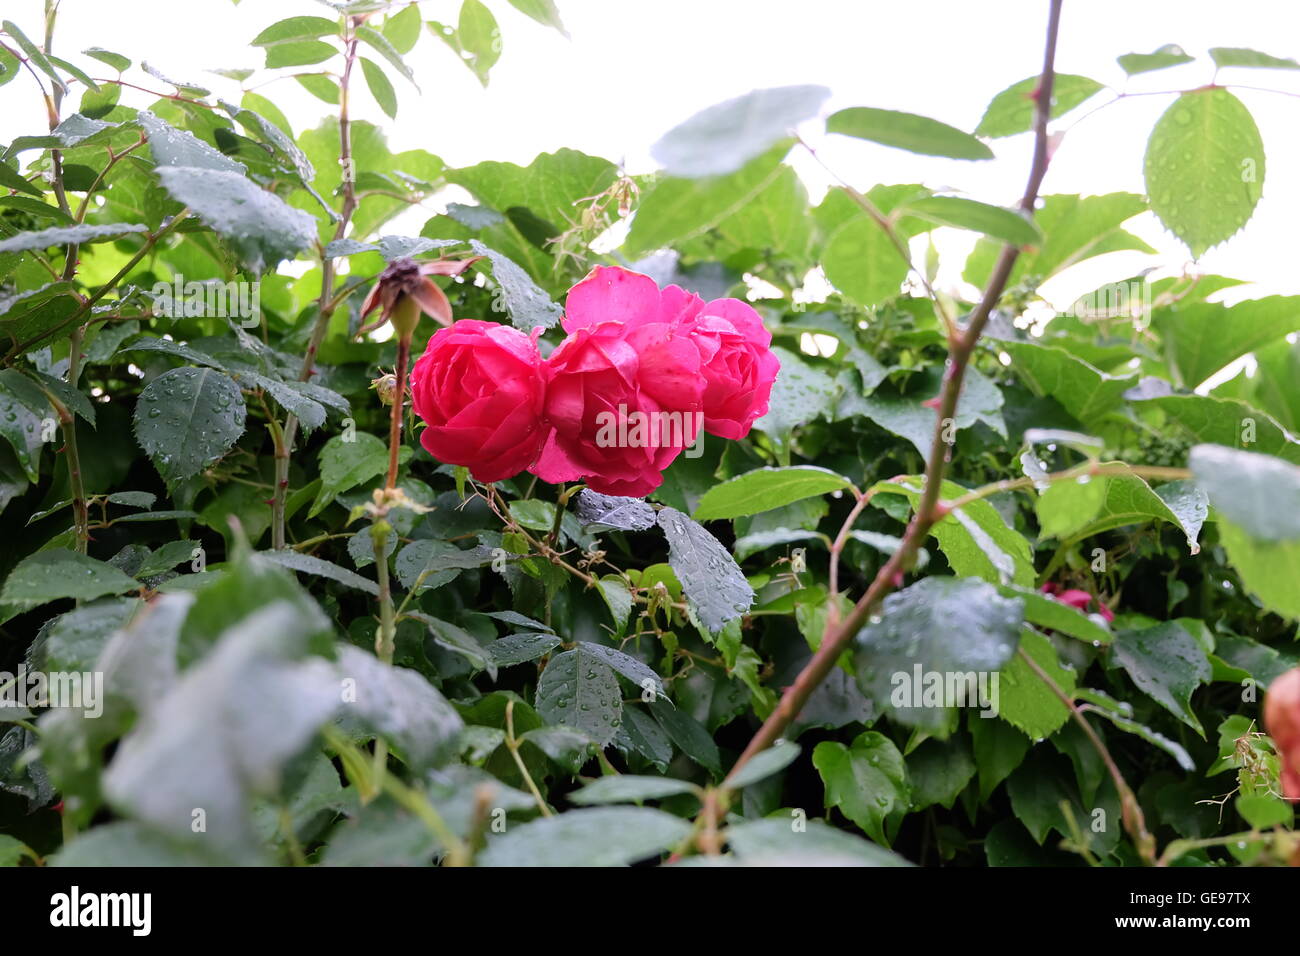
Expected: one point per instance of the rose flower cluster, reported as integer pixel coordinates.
(641, 374)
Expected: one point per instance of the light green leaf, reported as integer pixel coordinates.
(380, 87)
(346, 464)
(995, 221)
(67, 235)
(861, 262)
(1012, 110)
(916, 134)
(1024, 700)
(293, 29)
(765, 489)
(1204, 167)
(722, 138)
(1239, 56)
(867, 780)
(1166, 56)
(1085, 392)
(50, 575)
(630, 788)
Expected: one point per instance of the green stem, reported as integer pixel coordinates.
(80, 510)
(327, 302)
(385, 640)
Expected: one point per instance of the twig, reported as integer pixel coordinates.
(960, 349)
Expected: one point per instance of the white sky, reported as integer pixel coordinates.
(634, 69)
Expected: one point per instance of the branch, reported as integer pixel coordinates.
(961, 346)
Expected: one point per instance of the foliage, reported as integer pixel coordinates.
(305, 663)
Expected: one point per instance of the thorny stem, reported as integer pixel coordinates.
(961, 346)
(1131, 810)
(327, 302)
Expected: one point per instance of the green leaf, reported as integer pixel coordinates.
(1268, 569)
(401, 706)
(1204, 167)
(23, 412)
(346, 464)
(479, 38)
(1085, 392)
(1012, 110)
(1117, 713)
(177, 147)
(1203, 337)
(1226, 421)
(33, 53)
(1239, 56)
(938, 772)
(301, 53)
(944, 627)
(723, 138)
(599, 836)
(224, 731)
(772, 760)
(999, 749)
(54, 574)
(995, 221)
(11, 179)
(861, 262)
(712, 581)
(1046, 612)
(322, 87)
(309, 564)
(1166, 56)
(115, 60)
(186, 419)
(1130, 500)
(12, 850)
(293, 30)
(68, 235)
(402, 29)
(543, 11)
(1066, 506)
(521, 648)
(260, 227)
(917, 134)
(1074, 228)
(528, 305)
(1024, 699)
(127, 843)
(765, 489)
(598, 512)
(1167, 664)
(777, 843)
(678, 209)
(380, 87)
(867, 780)
(974, 538)
(578, 689)
(688, 734)
(629, 788)
(380, 45)
(1257, 493)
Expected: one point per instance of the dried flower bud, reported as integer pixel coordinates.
(404, 291)
(385, 387)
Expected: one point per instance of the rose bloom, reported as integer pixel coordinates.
(479, 388)
(658, 365)
(1282, 721)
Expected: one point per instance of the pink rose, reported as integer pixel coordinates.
(737, 365)
(735, 359)
(479, 387)
(622, 401)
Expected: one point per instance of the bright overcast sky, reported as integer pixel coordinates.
(634, 69)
